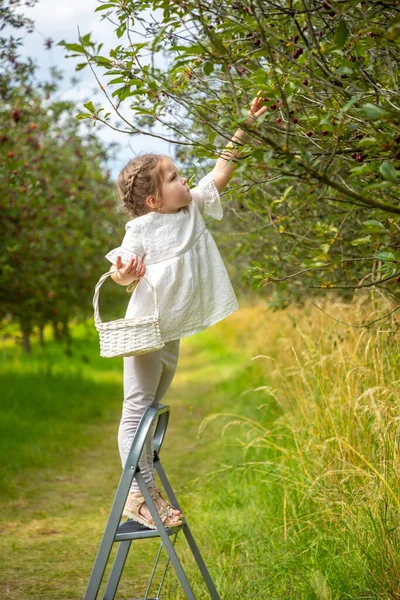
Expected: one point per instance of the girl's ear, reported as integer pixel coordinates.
(151, 202)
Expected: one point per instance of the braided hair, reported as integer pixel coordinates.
(140, 178)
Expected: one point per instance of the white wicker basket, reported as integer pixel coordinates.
(127, 337)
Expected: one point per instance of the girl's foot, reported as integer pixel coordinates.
(163, 504)
(136, 509)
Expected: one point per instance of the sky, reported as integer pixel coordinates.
(59, 20)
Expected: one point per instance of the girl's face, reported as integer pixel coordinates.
(175, 192)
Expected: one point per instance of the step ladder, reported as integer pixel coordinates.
(125, 532)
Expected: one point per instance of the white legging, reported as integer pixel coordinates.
(147, 378)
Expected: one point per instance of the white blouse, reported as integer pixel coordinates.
(183, 264)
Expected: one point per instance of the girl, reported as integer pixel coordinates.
(167, 240)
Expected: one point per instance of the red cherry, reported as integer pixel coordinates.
(305, 81)
(16, 115)
(397, 278)
(3, 138)
(273, 106)
(354, 155)
(33, 126)
(10, 154)
(278, 120)
(295, 121)
(324, 132)
(298, 52)
(360, 158)
(309, 133)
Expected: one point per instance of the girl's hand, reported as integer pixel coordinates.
(256, 110)
(131, 271)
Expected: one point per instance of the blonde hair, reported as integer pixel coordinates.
(141, 177)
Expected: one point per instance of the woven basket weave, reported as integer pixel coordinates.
(127, 337)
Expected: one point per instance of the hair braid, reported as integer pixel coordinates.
(140, 178)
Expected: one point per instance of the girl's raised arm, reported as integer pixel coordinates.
(223, 169)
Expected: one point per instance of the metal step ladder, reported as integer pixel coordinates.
(125, 532)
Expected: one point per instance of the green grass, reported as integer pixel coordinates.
(286, 465)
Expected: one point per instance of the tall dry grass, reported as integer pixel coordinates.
(328, 466)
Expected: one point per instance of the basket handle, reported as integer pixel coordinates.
(97, 318)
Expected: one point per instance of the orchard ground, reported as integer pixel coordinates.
(281, 449)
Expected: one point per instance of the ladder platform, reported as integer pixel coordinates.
(131, 530)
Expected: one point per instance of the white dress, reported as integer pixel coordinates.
(183, 264)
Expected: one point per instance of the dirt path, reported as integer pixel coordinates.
(50, 534)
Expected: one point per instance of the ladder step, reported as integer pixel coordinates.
(131, 530)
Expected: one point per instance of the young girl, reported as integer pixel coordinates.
(167, 239)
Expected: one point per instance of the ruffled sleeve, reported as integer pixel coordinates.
(207, 198)
(130, 247)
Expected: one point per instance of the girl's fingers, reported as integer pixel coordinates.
(131, 266)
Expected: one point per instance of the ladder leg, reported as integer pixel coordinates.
(107, 541)
(188, 534)
(165, 569)
(165, 538)
(116, 571)
(146, 595)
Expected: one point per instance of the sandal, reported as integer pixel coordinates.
(132, 508)
(156, 495)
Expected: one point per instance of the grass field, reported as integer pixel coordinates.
(282, 448)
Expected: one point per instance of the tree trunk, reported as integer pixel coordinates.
(26, 337)
(56, 331)
(41, 336)
(66, 333)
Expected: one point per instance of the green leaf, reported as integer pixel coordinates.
(104, 7)
(341, 34)
(382, 185)
(259, 154)
(86, 39)
(388, 171)
(360, 170)
(360, 241)
(208, 67)
(89, 106)
(368, 141)
(73, 47)
(121, 30)
(373, 112)
(372, 223)
(343, 70)
(84, 116)
(102, 61)
(386, 256)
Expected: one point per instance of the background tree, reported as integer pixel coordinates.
(315, 200)
(55, 200)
